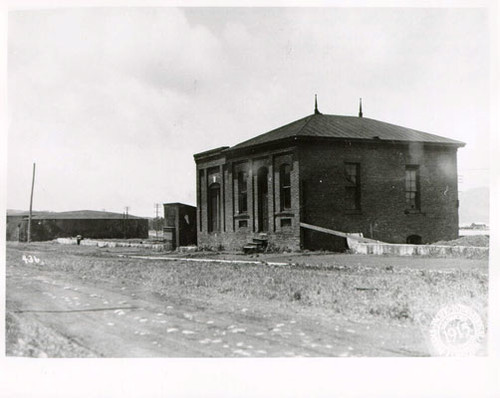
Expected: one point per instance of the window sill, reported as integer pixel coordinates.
(285, 213)
(353, 212)
(242, 215)
(413, 211)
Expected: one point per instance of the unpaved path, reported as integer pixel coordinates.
(116, 320)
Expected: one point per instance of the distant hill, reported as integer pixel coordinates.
(14, 212)
(475, 206)
(81, 214)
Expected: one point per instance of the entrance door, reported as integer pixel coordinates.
(262, 202)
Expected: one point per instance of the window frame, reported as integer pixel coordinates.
(412, 188)
(350, 186)
(242, 182)
(214, 188)
(285, 186)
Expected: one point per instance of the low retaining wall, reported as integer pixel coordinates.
(100, 243)
(355, 246)
(416, 250)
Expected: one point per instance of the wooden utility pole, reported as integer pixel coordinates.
(31, 203)
(157, 206)
(125, 226)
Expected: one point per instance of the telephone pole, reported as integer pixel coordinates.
(31, 203)
(157, 207)
(125, 223)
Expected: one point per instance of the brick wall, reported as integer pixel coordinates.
(382, 172)
(318, 187)
(232, 234)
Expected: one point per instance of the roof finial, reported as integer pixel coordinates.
(316, 111)
(360, 114)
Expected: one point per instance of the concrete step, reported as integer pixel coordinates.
(251, 248)
(258, 244)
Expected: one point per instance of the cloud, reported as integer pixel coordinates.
(113, 102)
(94, 94)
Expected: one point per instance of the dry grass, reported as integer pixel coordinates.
(472, 240)
(353, 290)
(29, 338)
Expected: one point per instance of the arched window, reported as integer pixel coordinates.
(414, 240)
(285, 187)
(242, 192)
(214, 208)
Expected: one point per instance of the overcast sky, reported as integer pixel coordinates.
(113, 103)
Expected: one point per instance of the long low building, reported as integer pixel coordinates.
(87, 223)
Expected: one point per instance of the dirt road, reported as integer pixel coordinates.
(64, 316)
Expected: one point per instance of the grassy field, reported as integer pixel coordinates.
(387, 289)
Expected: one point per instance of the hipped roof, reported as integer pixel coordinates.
(345, 127)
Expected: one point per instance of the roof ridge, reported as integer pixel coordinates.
(272, 131)
(304, 126)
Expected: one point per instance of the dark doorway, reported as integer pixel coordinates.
(262, 200)
(414, 240)
(214, 208)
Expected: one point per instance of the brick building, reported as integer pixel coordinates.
(344, 173)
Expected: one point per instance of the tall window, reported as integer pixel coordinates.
(412, 188)
(285, 187)
(214, 208)
(352, 186)
(242, 192)
(200, 185)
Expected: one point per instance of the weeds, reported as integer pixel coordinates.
(353, 290)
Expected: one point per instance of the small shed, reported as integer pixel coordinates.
(180, 224)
